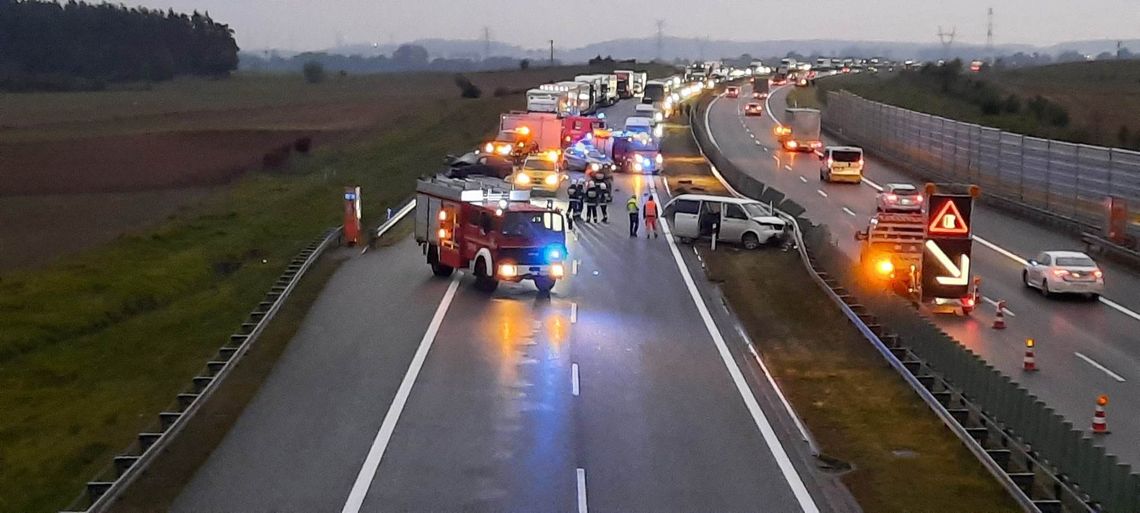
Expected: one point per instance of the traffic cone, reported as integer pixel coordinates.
(999, 320)
(1100, 421)
(1029, 363)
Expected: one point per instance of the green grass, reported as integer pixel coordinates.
(1100, 98)
(856, 406)
(93, 347)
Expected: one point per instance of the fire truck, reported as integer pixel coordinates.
(543, 129)
(497, 233)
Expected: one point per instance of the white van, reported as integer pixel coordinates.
(640, 125)
(738, 220)
(542, 100)
(649, 111)
(841, 164)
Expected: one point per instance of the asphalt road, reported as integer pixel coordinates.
(1084, 348)
(629, 389)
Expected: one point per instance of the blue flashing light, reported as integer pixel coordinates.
(554, 253)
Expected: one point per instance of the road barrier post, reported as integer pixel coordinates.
(999, 319)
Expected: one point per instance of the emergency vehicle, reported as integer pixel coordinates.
(543, 129)
(892, 249)
(498, 234)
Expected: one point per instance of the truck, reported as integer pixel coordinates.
(575, 97)
(577, 128)
(542, 130)
(780, 77)
(624, 83)
(497, 233)
(544, 100)
(637, 82)
(891, 250)
(603, 88)
(805, 127)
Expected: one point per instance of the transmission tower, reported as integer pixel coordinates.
(660, 39)
(486, 43)
(990, 32)
(947, 39)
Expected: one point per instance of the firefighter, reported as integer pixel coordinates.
(604, 199)
(650, 217)
(593, 197)
(632, 208)
(574, 191)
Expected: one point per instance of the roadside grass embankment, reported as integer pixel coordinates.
(856, 406)
(94, 346)
(1083, 102)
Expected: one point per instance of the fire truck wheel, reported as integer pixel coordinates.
(437, 268)
(483, 281)
(544, 284)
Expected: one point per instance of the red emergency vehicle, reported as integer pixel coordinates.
(575, 128)
(498, 233)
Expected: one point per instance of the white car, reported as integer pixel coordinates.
(1064, 272)
(649, 111)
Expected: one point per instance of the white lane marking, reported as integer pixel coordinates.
(708, 131)
(849, 212)
(995, 303)
(821, 193)
(763, 148)
(768, 105)
(365, 250)
(795, 482)
(372, 462)
(582, 491)
(1000, 250)
(789, 168)
(573, 313)
(1092, 362)
(1119, 308)
(574, 378)
(574, 266)
(750, 134)
(802, 179)
(777, 159)
(872, 185)
(779, 393)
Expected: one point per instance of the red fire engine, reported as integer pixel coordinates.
(499, 234)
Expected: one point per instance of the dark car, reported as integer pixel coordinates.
(477, 163)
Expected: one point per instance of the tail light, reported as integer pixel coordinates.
(892, 198)
(860, 162)
(442, 233)
(830, 162)
(1060, 273)
(1098, 274)
(918, 199)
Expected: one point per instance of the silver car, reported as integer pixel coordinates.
(1064, 272)
(900, 197)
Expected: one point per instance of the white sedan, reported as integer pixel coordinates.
(1064, 272)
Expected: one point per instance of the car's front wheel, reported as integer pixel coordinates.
(750, 241)
(1025, 279)
(1045, 288)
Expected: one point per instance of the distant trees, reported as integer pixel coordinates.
(314, 72)
(467, 89)
(77, 45)
(524, 64)
(410, 56)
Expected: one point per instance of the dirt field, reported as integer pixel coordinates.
(79, 169)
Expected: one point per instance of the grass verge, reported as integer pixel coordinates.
(93, 347)
(857, 407)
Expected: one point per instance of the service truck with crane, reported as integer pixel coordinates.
(500, 235)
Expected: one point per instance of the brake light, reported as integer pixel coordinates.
(1060, 272)
(892, 198)
(792, 144)
(918, 199)
(968, 301)
(860, 162)
(830, 161)
(1098, 274)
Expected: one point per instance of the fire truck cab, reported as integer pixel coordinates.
(497, 233)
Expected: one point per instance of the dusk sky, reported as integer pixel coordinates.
(308, 24)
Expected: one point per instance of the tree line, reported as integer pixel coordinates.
(407, 57)
(48, 45)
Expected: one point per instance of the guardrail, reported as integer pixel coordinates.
(1032, 451)
(101, 494)
(1060, 181)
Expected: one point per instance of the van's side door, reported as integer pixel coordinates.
(734, 222)
(685, 218)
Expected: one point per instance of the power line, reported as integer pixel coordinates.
(947, 39)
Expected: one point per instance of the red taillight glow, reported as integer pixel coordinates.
(968, 301)
(918, 199)
(792, 144)
(1060, 272)
(860, 162)
(892, 197)
(1098, 274)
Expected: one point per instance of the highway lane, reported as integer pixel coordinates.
(1084, 348)
(614, 395)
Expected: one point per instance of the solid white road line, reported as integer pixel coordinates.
(1119, 308)
(795, 482)
(802, 179)
(574, 378)
(821, 193)
(779, 393)
(849, 212)
(372, 462)
(1092, 362)
(582, 491)
(573, 313)
(995, 303)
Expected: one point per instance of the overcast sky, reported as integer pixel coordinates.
(316, 24)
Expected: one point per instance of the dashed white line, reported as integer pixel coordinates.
(872, 185)
(1120, 308)
(789, 168)
(1000, 250)
(849, 212)
(802, 179)
(787, 469)
(582, 491)
(821, 193)
(574, 378)
(777, 159)
(367, 472)
(1092, 362)
(573, 313)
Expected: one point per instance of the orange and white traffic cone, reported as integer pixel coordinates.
(1100, 421)
(999, 319)
(1029, 363)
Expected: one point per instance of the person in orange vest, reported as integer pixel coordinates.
(650, 214)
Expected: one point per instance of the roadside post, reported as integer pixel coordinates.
(352, 215)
